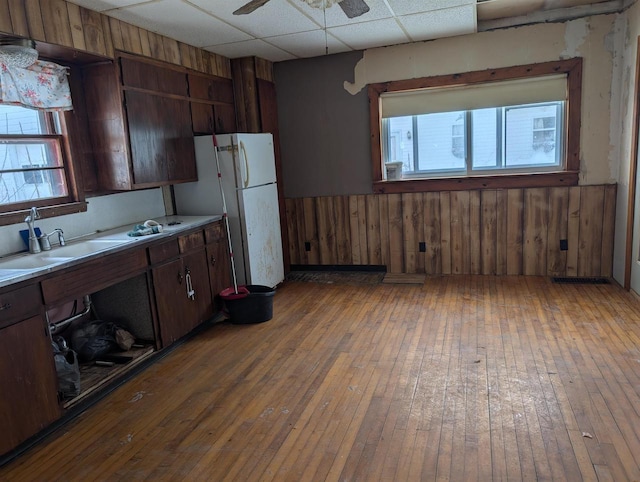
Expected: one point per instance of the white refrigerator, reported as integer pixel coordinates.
(248, 173)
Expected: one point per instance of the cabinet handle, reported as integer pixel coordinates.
(180, 278)
(6, 306)
(213, 260)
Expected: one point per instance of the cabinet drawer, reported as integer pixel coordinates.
(19, 304)
(163, 252)
(191, 241)
(214, 233)
(94, 275)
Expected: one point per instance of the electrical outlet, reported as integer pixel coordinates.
(422, 247)
(564, 245)
(307, 246)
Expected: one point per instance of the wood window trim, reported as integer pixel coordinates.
(568, 177)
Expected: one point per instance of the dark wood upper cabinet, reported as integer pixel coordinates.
(212, 104)
(148, 76)
(140, 124)
(144, 114)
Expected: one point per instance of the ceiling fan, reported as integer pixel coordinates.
(351, 8)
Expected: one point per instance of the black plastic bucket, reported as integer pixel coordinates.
(255, 307)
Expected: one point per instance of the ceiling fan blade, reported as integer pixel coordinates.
(354, 8)
(250, 7)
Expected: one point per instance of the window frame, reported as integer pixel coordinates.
(67, 132)
(566, 177)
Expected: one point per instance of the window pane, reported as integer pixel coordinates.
(485, 139)
(22, 177)
(401, 141)
(441, 143)
(19, 120)
(532, 136)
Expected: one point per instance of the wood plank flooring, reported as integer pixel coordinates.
(462, 378)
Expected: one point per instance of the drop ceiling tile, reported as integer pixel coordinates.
(308, 44)
(370, 34)
(277, 17)
(180, 21)
(102, 5)
(446, 22)
(335, 16)
(409, 7)
(250, 48)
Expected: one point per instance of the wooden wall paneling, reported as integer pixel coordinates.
(13, 18)
(131, 38)
(311, 230)
(573, 230)
(171, 50)
(116, 33)
(108, 36)
(412, 229)
(77, 29)
(157, 46)
(55, 17)
(591, 222)
(35, 20)
(535, 226)
(445, 231)
(354, 229)
(145, 44)
(558, 226)
(475, 233)
(489, 231)
(199, 62)
(374, 246)
(460, 236)
(362, 229)
(5, 18)
(325, 217)
(432, 236)
(290, 209)
(515, 210)
(501, 232)
(300, 226)
(396, 241)
(92, 29)
(608, 230)
(343, 230)
(185, 55)
(383, 210)
(264, 69)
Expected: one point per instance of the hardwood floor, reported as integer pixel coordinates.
(463, 378)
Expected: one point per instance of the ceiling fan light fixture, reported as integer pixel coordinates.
(320, 3)
(18, 52)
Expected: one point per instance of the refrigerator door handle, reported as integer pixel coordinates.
(246, 164)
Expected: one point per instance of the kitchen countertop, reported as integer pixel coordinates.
(24, 266)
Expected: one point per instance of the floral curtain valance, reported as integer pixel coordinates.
(42, 86)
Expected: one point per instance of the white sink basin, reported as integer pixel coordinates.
(31, 261)
(58, 254)
(83, 248)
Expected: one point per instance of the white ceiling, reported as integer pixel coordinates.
(289, 29)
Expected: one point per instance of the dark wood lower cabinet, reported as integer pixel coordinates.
(28, 382)
(178, 313)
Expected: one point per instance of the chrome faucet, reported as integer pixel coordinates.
(34, 244)
(45, 244)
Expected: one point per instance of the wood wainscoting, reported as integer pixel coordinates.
(503, 231)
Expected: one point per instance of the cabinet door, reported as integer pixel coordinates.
(219, 262)
(202, 118)
(28, 382)
(196, 265)
(178, 136)
(169, 288)
(147, 135)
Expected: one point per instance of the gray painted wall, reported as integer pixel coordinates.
(324, 130)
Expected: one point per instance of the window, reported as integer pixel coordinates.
(511, 127)
(31, 161)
